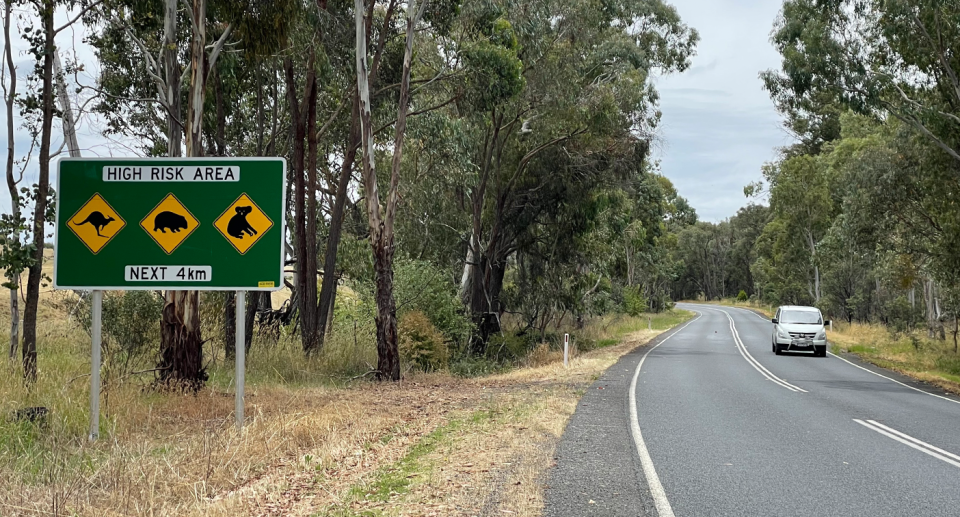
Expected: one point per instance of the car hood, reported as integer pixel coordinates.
(795, 327)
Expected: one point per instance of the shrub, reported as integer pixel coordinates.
(131, 328)
(421, 344)
(742, 297)
(421, 287)
(634, 303)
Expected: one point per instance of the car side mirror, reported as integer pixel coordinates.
(775, 321)
(826, 323)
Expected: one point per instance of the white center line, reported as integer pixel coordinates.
(753, 362)
(659, 496)
(908, 440)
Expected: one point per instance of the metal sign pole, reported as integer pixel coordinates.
(240, 353)
(566, 349)
(96, 334)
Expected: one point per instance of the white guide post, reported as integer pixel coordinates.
(566, 350)
(96, 333)
(240, 354)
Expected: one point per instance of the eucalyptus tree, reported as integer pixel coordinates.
(800, 196)
(139, 45)
(879, 57)
(563, 93)
(38, 105)
(14, 256)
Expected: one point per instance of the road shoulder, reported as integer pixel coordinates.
(593, 474)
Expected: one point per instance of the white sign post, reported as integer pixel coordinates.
(240, 354)
(95, 334)
(566, 350)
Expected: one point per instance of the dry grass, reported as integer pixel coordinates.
(314, 443)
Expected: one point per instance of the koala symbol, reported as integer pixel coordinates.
(238, 224)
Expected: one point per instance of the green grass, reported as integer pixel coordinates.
(396, 479)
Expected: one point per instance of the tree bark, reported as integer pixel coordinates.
(12, 183)
(381, 225)
(310, 256)
(306, 270)
(68, 121)
(172, 79)
(230, 324)
(43, 187)
(328, 289)
(181, 343)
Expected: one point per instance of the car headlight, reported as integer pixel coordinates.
(782, 333)
(821, 335)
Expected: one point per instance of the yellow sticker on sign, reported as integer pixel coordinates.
(96, 223)
(169, 223)
(243, 223)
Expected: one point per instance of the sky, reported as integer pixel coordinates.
(89, 135)
(718, 125)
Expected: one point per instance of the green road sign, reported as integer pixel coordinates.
(170, 223)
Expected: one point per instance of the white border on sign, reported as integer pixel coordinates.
(179, 286)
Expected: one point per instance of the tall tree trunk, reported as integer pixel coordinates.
(328, 289)
(9, 96)
(181, 348)
(310, 244)
(172, 72)
(40, 208)
(381, 225)
(68, 121)
(306, 278)
(230, 324)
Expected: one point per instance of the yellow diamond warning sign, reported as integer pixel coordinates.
(243, 223)
(96, 223)
(170, 223)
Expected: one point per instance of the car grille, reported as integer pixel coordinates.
(803, 335)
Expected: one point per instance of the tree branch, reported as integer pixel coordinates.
(215, 53)
(77, 17)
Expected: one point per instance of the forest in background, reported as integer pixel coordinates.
(861, 218)
(467, 178)
(464, 178)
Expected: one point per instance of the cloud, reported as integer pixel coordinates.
(718, 125)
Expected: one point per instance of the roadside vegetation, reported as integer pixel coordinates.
(321, 438)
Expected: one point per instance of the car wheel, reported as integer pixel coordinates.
(776, 349)
(822, 351)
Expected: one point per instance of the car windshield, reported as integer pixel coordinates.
(801, 317)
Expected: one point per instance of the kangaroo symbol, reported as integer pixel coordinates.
(97, 220)
(238, 224)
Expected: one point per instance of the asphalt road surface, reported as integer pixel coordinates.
(708, 421)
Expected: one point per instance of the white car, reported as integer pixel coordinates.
(799, 329)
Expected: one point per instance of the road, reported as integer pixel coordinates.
(716, 424)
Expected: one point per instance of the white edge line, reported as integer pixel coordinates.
(659, 496)
(894, 380)
(915, 440)
(948, 399)
(866, 369)
(905, 442)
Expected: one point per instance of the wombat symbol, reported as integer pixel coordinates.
(169, 221)
(97, 220)
(238, 224)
